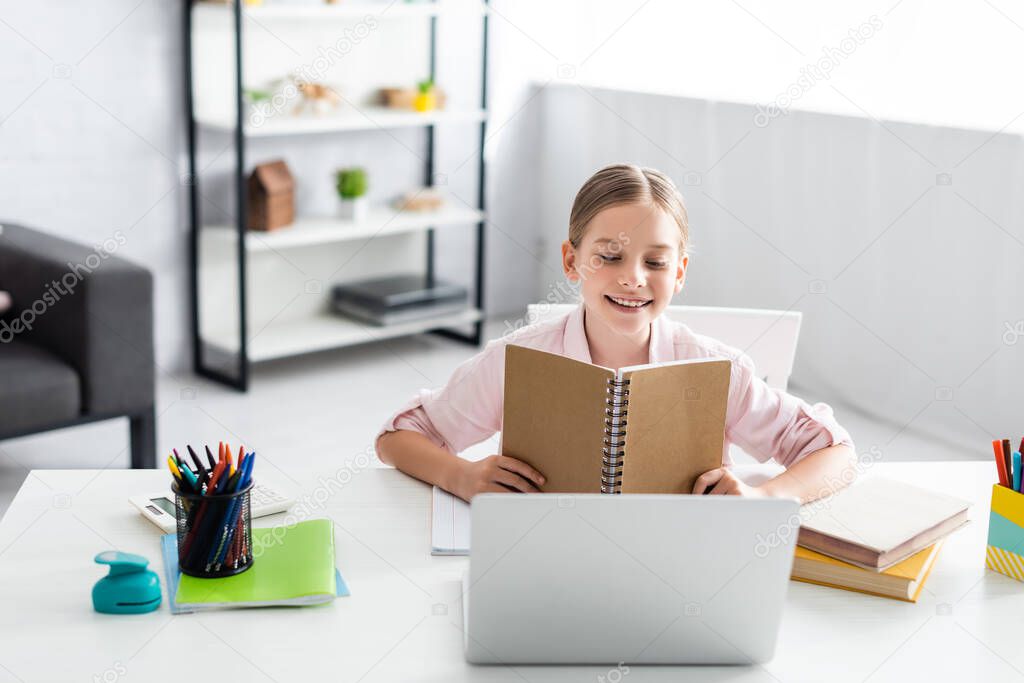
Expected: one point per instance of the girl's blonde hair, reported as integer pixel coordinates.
(626, 184)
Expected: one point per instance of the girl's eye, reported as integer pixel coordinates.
(608, 258)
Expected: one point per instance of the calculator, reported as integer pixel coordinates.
(158, 508)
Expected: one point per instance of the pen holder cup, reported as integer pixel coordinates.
(1005, 550)
(214, 532)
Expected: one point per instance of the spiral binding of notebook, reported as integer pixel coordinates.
(614, 450)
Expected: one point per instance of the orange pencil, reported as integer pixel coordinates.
(218, 472)
(997, 449)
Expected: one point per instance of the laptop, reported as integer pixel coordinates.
(635, 579)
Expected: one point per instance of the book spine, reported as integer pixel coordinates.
(614, 450)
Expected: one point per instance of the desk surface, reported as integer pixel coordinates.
(403, 619)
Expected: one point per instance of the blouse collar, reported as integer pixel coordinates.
(575, 346)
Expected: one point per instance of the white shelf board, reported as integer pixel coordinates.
(350, 10)
(380, 221)
(353, 119)
(286, 338)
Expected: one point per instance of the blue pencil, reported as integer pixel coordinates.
(1016, 471)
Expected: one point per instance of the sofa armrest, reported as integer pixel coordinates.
(87, 306)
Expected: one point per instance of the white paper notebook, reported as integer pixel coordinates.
(449, 524)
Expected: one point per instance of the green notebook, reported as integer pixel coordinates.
(294, 566)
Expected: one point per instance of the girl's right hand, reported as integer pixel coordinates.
(496, 474)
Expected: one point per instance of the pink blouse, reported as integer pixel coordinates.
(765, 422)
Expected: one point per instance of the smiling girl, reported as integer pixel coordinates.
(627, 248)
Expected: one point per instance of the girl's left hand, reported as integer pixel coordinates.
(724, 483)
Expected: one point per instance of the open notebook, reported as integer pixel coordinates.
(640, 429)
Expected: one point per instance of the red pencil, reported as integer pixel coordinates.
(997, 449)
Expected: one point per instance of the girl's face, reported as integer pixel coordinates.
(630, 264)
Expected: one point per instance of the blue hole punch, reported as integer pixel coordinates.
(129, 588)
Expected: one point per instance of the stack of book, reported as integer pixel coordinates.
(878, 536)
(398, 299)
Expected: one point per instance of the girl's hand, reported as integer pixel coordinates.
(496, 474)
(724, 483)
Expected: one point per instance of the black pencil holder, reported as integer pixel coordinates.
(214, 532)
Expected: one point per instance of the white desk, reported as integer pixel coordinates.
(403, 620)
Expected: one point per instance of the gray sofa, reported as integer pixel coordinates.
(77, 345)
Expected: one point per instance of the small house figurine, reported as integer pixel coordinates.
(271, 196)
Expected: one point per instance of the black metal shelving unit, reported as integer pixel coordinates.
(241, 378)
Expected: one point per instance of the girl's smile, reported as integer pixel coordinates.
(626, 304)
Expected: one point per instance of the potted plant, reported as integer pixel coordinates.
(351, 184)
(425, 100)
